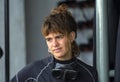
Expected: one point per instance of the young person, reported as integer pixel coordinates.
(59, 30)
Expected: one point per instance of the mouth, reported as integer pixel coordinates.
(57, 50)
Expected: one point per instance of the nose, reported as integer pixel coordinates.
(55, 43)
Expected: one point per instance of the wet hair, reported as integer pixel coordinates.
(60, 20)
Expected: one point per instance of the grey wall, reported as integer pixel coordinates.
(36, 10)
(17, 37)
(2, 60)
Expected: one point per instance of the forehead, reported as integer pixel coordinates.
(53, 34)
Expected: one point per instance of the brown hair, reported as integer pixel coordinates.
(60, 20)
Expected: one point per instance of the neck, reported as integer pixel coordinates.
(65, 61)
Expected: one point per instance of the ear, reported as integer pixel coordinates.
(72, 36)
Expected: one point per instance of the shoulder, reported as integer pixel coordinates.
(86, 66)
(90, 69)
(83, 64)
(39, 64)
(32, 70)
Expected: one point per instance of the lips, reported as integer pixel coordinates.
(57, 50)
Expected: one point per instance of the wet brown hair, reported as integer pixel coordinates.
(60, 20)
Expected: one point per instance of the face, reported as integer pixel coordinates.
(58, 45)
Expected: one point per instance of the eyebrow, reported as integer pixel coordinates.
(47, 37)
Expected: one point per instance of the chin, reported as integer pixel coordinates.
(59, 56)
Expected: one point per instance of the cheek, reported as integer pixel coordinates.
(48, 45)
(63, 42)
(68, 45)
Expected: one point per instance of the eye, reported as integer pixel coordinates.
(48, 39)
(59, 36)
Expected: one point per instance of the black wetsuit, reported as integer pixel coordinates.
(51, 70)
